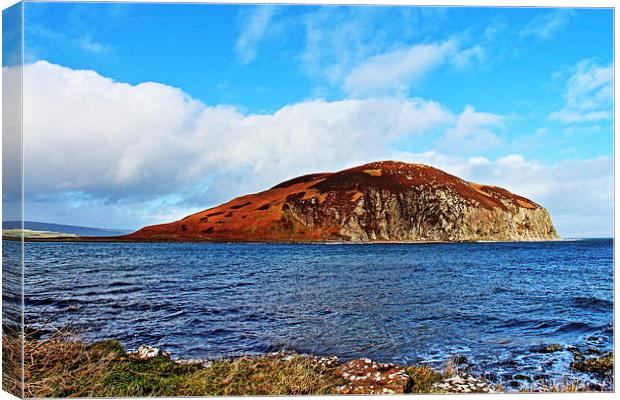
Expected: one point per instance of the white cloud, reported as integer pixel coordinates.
(397, 70)
(354, 50)
(494, 30)
(88, 134)
(479, 160)
(11, 143)
(337, 39)
(545, 25)
(87, 43)
(588, 95)
(468, 56)
(78, 38)
(513, 160)
(473, 131)
(255, 24)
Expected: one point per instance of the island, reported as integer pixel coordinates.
(386, 201)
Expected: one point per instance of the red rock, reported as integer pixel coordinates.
(365, 376)
(380, 201)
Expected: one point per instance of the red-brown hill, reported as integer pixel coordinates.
(380, 201)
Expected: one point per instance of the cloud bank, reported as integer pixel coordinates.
(89, 133)
(105, 152)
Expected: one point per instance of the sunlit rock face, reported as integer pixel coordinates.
(376, 202)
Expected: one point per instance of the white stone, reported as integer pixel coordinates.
(146, 352)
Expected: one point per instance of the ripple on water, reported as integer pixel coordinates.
(403, 303)
(593, 303)
(572, 327)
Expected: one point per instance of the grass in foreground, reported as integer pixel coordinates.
(11, 360)
(423, 378)
(260, 376)
(64, 366)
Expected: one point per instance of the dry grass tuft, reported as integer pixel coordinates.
(65, 366)
(423, 378)
(296, 375)
(62, 366)
(11, 363)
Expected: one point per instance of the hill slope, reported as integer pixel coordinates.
(380, 201)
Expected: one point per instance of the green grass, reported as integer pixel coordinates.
(297, 375)
(62, 366)
(423, 378)
(158, 376)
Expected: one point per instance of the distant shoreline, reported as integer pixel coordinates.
(120, 239)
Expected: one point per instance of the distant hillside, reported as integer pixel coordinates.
(17, 234)
(68, 229)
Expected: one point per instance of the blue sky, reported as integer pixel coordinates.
(518, 97)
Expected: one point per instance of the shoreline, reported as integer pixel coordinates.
(118, 239)
(63, 365)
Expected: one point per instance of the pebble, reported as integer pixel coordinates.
(365, 376)
(463, 384)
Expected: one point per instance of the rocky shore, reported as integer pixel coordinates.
(365, 376)
(359, 376)
(64, 366)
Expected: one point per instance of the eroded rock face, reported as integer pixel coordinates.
(365, 376)
(382, 201)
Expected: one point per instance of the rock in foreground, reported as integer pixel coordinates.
(365, 376)
(381, 201)
(63, 366)
(463, 383)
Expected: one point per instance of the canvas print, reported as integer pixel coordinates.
(232, 199)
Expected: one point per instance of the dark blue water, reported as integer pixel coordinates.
(491, 302)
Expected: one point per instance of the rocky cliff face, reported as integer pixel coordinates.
(381, 201)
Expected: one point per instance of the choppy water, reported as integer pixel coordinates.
(491, 302)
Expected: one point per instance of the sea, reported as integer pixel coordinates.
(492, 304)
